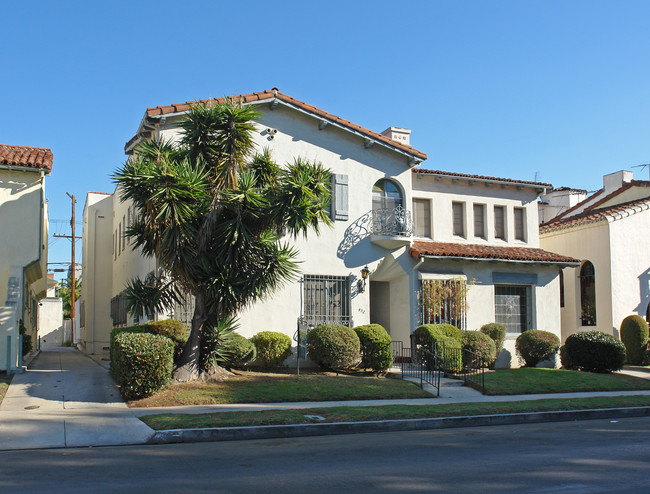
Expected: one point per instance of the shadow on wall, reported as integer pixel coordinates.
(504, 360)
(644, 293)
(357, 231)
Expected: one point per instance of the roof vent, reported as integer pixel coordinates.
(403, 136)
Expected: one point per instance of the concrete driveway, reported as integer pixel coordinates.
(66, 399)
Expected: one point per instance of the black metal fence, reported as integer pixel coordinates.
(419, 363)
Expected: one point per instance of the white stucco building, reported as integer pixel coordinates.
(50, 316)
(23, 245)
(469, 255)
(608, 232)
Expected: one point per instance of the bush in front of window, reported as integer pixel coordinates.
(478, 350)
(272, 348)
(593, 351)
(497, 332)
(634, 335)
(141, 363)
(448, 330)
(375, 343)
(334, 346)
(536, 345)
(449, 349)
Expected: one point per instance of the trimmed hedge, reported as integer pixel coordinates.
(634, 335)
(169, 328)
(428, 332)
(141, 363)
(593, 351)
(334, 346)
(481, 345)
(239, 350)
(497, 332)
(272, 348)
(536, 345)
(449, 348)
(376, 353)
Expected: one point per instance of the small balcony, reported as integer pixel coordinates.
(391, 228)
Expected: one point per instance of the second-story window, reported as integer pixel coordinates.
(422, 217)
(500, 222)
(386, 195)
(520, 224)
(479, 220)
(458, 212)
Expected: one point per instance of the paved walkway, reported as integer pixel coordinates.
(67, 399)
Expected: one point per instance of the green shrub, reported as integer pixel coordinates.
(334, 346)
(27, 344)
(448, 348)
(593, 351)
(172, 329)
(238, 351)
(535, 345)
(451, 331)
(427, 333)
(634, 335)
(215, 342)
(497, 332)
(481, 345)
(141, 363)
(376, 353)
(272, 348)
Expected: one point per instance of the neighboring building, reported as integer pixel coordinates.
(471, 256)
(50, 316)
(608, 231)
(23, 244)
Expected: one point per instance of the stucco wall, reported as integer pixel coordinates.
(50, 322)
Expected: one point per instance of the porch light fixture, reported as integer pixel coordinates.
(361, 284)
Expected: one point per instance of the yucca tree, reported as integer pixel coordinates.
(212, 212)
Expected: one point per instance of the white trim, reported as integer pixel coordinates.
(437, 276)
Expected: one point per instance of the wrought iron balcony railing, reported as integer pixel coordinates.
(395, 222)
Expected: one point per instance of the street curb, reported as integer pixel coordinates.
(305, 430)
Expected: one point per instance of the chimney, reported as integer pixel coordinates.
(615, 180)
(398, 134)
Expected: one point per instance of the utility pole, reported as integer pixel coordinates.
(73, 266)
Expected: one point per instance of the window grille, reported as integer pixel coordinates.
(326, 300)
(185, 312)
(443, 302)
(118, 309)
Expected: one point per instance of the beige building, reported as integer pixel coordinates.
(608, 232)
(23, 245)
(400, 234)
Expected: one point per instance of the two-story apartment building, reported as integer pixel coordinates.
(387, 258)
(23, 245)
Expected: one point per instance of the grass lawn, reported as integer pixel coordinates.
(386, 412)
(257, 387)
(4, 385)
(535, 380)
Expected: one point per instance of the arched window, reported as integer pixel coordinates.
(386, 194)
(389, 217)
(588, 294)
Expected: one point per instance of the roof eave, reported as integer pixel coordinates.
(564, 264)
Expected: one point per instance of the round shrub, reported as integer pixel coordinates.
(141, 363)
(172, 329)
(450, 330)
(239, 351)
(428, 333)
(375, 343)
(634, 335)
(272, 348)
(593, 351)
(449, 348)
(497, 332)
(535, 345)
(482, 348)
(333, 346)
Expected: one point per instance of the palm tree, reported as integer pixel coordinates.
(212, 212)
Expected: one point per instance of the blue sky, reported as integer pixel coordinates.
(557, 90)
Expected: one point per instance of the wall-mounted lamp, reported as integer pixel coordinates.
(361, 284)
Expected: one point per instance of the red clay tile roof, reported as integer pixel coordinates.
(26, 156)
(270, 94)
(593, 215)
(473, 251)
(480, 177)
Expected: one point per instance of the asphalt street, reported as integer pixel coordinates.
(575, 457)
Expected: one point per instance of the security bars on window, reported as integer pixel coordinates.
(443, 302)
(326, 300)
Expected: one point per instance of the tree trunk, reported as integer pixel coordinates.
(188, 368)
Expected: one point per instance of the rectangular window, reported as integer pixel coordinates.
(115, 245)
(123, 232)
(500, 222)
(444, 302)
(326, 300)
(458, 211)
(422, 217)
(520, 224)
(479, 220)
(119, 240)
(512, 307)
(118, 310)
(184, 311)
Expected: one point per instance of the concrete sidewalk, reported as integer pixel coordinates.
(65, 399)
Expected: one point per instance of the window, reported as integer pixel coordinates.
(588, 294)
(388, 214)
(500, 222)
(422, 217)
(115, 240)
(118, 310)
(511, 307)
(184, 311)
(458, 213)
(444, 302)
(119, 240)
(520, 224)
(561, 288)
(123, 232)
(326, 300)
(479, 220)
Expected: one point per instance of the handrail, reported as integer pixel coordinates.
(391, 221)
